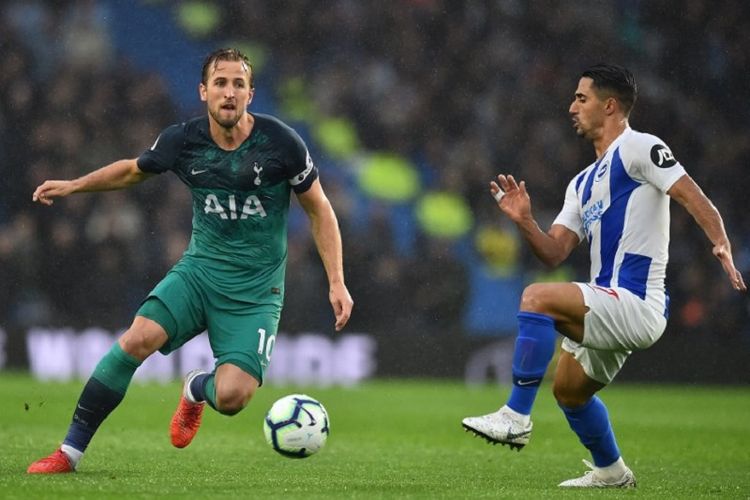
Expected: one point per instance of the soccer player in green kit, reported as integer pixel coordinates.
(241, 168)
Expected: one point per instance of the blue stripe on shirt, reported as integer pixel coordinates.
(633, 273)
(621, 186)
(579, 179)
(588, 187)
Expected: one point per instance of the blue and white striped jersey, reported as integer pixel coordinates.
(619, 204)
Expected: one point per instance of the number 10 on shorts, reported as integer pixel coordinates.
(265, 346)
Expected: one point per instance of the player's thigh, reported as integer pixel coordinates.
(599, 365)
(618, 320)
(244, 337)
(563, 302)
(178, 305)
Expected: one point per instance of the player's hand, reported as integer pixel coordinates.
(48, 190)
(723, 252)
(342, 304)
(511, 197)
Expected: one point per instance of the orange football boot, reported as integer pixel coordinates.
(56, 463)
(187, 418)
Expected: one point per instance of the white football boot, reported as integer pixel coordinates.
(594, 478)
(504, 426)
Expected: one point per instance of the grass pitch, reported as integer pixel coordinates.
(389, 439)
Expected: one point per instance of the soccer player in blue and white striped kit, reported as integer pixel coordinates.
(620, 205)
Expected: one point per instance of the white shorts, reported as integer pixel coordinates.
(617, 323)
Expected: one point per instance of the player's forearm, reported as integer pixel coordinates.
(688, 194)
(117, 175)
(325, 230)
(544, 247)
(709, 219)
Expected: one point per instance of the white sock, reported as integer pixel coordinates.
(189, 394)
(613, 471)
(74, 455)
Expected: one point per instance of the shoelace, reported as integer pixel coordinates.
(591, 471)
(54, 460)
(190, 411)
(590, 466)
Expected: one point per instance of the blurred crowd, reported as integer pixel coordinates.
(69, 104)
(461, 90)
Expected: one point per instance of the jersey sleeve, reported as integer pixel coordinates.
(301, 172)
(653, 162)
(570, 214)
(162, 155)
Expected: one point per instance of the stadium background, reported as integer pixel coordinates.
(409, 109)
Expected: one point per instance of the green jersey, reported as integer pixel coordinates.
(240, 203)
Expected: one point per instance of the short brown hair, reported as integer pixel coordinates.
(227, 54)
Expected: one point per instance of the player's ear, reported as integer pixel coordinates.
(611, 105)
(202, 92)
(250, 96)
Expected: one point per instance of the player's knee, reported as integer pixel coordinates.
(143, 338)
(231, 401)
(533, 299)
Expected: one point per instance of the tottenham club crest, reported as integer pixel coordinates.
(257, 171)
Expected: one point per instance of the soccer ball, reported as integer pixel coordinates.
(296, 426)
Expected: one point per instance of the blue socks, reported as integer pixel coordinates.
(101, 394)
(534, 349)
(535, 346)
(591, 423)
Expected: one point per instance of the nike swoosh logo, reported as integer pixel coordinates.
(196, 172)
(155, 143)
(528, 382)
(512, 436)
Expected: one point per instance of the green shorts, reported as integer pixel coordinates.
(239, 334)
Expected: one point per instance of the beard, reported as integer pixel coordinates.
(224, 121)
(582, 131)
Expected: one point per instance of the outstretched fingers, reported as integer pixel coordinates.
(512, 185)
(496, 192)
(502, 181)
(506, 184)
